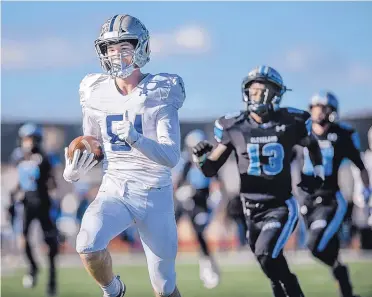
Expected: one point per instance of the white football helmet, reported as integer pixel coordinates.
(120, 28)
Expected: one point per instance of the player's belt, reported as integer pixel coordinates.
(250, 204)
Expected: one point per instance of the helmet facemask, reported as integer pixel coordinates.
(327, 115)
(329, 105)
(116, 65)
(120, 29)
(262, 98)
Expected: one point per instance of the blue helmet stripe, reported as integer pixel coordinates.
(112, 23)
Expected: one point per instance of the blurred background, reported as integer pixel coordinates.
(48, 47)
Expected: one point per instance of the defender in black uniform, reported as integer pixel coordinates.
(262, 139)
(324, 210)
(192, 200)
(35, 179)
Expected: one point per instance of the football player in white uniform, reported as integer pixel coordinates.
(135, 116)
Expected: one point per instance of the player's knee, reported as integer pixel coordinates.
(268, 266)
(89, 241)
(52, 243)
(92, 237)
(94, 257)
(163, 277)
(315, 233)
(311, 244)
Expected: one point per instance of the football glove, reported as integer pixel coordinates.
(310, 184)
(200, 151)
(78, 166)
(126, 131)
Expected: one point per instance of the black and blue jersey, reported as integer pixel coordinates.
(263, 151)
(338, 143)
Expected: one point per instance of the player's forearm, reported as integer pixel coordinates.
(315, 153)
(208, 167)
(166, 154)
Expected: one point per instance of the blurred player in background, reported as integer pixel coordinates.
(262, 138)
(135, 116)
(362, 211)
(36, 180)
(324, 210)
(235, 212)
(192, 196)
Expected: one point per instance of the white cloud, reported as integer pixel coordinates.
(360, 74)
(58, 52)
(298, 59)
(193, 38)
(318, 65)
(185, 40)
(45, 53)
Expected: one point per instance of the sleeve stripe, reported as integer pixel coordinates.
(218, 125)
(218, 131)
(356, 140)
(309, 124)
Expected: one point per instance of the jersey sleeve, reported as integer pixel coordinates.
(222, 126)
(352, 148)
(171, 88)
(303, 123)
(166, 150)
(90, 125)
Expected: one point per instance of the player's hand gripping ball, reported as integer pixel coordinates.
(86, 143)
(83, 153)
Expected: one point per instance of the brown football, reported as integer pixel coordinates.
(89, 143)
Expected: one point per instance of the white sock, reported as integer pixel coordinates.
(112, 289)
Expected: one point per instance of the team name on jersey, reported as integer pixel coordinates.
(323, 144)
(264, 139)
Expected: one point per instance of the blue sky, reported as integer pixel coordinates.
(47, 48)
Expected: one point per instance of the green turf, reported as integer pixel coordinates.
(237, 281)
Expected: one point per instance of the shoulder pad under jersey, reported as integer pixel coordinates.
(298, 114)
(346, 127)
(230, 119)
(226, 122)
(170, 87)
(88, 84)
(350, 132)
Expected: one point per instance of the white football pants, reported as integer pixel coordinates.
(119, 204)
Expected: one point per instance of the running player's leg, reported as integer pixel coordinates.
(323, 225)
(276, 228)
(105, 218)
(254, 225)
(158, 233)
(208, 269)
(30, 279)
(50, 238)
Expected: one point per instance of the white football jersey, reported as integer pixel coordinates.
(147, 105)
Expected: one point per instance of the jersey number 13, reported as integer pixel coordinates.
(275, 153)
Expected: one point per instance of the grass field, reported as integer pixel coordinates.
(237, 281)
